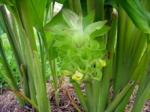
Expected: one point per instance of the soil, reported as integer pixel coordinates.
(68, 102)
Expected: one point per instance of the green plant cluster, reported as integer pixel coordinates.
(101, 44)
(76, 45)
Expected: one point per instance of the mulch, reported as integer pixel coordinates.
(8, 102)
(68, 101)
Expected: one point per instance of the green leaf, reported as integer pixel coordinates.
(98, 75)
(141, 99)
(72, 19)
(100, 32)
(137, 13)
(60, 1)
(94, 26)
(8, 2)
(121, 106)
(111, 107)
(33, 9)
(39, 81)
(56, 23)
(1, 25)
(88, 19)
(10, 79)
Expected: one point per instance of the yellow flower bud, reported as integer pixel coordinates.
(77, 76)
(102, 63)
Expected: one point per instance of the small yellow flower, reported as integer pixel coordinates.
(102, 63)
(77, 76)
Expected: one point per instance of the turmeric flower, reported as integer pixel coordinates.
(77, 76)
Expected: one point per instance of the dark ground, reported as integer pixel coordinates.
(68, 101)
(8, 102)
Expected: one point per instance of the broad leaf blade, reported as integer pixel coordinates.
(136, 12)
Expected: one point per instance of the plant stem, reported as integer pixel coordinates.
(118, 98)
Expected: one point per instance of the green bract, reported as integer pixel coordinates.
(74, 43)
